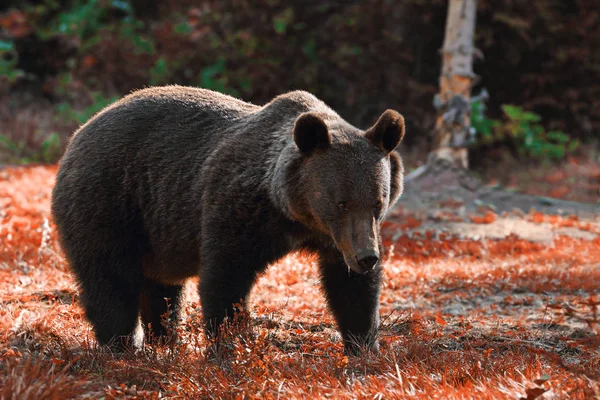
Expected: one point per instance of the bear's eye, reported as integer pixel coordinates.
(342, 205)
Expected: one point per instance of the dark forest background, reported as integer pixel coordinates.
(61, 61)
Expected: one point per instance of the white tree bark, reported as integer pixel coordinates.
(452, 130)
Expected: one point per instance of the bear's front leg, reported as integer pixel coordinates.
(354, 300)
(220, 290)
(227, 275)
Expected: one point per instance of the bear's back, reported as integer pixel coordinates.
(159, 125)
(181, 100)
(149, 158)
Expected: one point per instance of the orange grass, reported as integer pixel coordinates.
(461, 319)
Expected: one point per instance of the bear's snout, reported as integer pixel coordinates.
(367, 260)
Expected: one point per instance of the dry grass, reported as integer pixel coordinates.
(462, 319)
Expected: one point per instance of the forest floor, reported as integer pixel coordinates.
(488, 294)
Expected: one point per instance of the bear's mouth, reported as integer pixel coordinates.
(354, 266)
(361, 261)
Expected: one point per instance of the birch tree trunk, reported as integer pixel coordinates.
(452, 129)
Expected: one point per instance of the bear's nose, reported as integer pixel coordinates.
(367, 260)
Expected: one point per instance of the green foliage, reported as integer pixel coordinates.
(183, 28)
(159, 72)
(89, 22)
(282, 21)
(83, 19)
(69, 114)
(129, 30)
(525, 129)
(213, 78)
(8, 62)
(310, 49)
(344, 52)
(50, 149)
(18, 152)
(483, 125)
(534, 140)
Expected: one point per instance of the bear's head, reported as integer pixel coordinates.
(348, 179)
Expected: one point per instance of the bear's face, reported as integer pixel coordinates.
(351, 178)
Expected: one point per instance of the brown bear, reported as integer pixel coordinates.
(174, 182)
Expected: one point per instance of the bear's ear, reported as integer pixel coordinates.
(387, 132)
(311, 133)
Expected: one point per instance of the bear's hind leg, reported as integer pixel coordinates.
(156, 301)
(110, 276)
(112, 307)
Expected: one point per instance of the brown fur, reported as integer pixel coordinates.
(174, 182)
